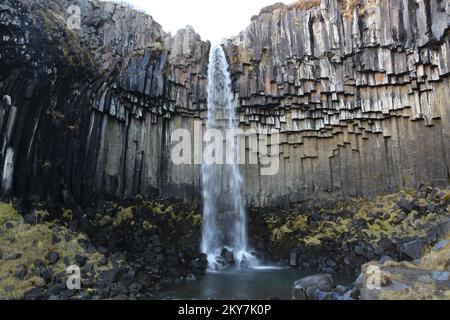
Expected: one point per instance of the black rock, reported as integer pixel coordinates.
(157, 249)
(125, 281)
(135, 287)
(83, 243)
(67, 294)
(66, 261)
(359, 250)
(87, 268)
(413, 249)
(144, 279)
(35, 294)
(80, 260)
(113, 275)
(30, 218)
(47, 275)
(406, 205)
(38, 263)
(9, 225)
(52, 257)
(22, 273)
(56, 239)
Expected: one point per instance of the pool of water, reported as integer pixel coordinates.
(247, 284)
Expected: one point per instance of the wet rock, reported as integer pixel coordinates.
(313, 287)
(228, 256)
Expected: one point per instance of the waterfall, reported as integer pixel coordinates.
(8, 169)
(224, 214)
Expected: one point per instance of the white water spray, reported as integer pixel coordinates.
(224, 215)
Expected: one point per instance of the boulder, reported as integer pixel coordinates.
(440, 275)
(440, 245)
(228, 256)
(313, 287)
(413, 249)
(406, 205)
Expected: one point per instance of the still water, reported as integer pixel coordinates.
(260, 283)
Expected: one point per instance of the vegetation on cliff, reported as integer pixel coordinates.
(121, 250)
(354, 231)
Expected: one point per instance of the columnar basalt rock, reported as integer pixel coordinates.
(93, 105)
(358, 89)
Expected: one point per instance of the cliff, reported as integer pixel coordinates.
(88, 110)
(358, 90)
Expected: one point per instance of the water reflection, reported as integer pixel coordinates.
(257, 283)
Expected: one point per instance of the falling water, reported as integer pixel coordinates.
(224, 215)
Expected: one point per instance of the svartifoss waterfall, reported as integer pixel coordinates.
(224, 237)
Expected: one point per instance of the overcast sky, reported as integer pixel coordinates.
(212, 19)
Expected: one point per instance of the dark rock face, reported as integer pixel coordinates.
(353, 89)
(88, 112)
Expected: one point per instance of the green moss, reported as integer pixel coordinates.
(68, 215)
(446, 197)
(157, 46)
(35, 242)
(8, 213)
(124, 215)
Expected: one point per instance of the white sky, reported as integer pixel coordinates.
(212, 19)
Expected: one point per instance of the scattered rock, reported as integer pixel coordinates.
(440, 275)
(52, 257)
(81, 261)
(35, 294)
(413, 249)
(440, 245)
(406, 205)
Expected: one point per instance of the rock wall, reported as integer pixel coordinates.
(90, 110)
(358, 90)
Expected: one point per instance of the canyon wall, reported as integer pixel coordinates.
(358, 89)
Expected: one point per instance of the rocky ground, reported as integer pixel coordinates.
(123, 252)
(127, 250)
(338, 236)
(425, 279)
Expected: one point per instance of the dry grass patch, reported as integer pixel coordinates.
(22, 245)
(304, 4)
